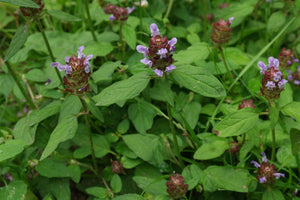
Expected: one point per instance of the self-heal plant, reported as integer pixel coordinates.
(221, 33)
(77, 72)
(286, 59)
(273, 82)
(176, 187)
(266, 173)
(118, 13)
(159, 54)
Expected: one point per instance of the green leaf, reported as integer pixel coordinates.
(7, 82)
(129, 197)
(141, 114)
(22, 3)
(36, 75)
(228, 178)
(286, 96)
(101, 145)
(274, 114)
(123, 90)
(272, 194)
(237, 123)
(58, 187)
(99, 192)
(285, 156)
(123, 126)
(193, 175)
(64, 131)
(151, 185)
(10, 149)
(129, 36)
(17, 42)
(39, 115)
(295, 140)
(276, 21)
(292, 110)
(71, 106)
(104, 73)
(116, 183)
(196, 52)
(246, 148)
(162, 91)
(15, 190)
(130, 163)
(211, 150)
(191, 113)
(98, 48)
(94, 109)
(63, 16)
(24, 132)
(236, 56)
(198, 80)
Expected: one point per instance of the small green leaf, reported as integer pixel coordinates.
(194, 53)
(22, 3)
(15, 190)
(237, 123)
(99, 192)
(272, 194)
(123, 126)
(193, 175)
(63, 16)
(276, 21)
(7, 82)
(123, 90)
(141, 114)
(129, 36)
(71, 106)
(94, 109)
(17, 42)
(116, 183)
(36, 75)
(286, 96)
(24, 132)
(198, 80)
(64, 131)
(10, 149)
(274, 114)
(292, 110)
(162, 91)
(98, 48)
(129, 197)
(211, 150)
(104, 73)
(295, 139)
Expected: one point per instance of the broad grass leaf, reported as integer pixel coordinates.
(17, 42)
(198, 80)
(64, 131)
(123, 90)
(228, 178)
(237, 123)
(10, 149)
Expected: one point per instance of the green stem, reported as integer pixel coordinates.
(48, 47)
(225, 63)
(169, 8)
(273, 145)
(174, 135)
(18, 82)
(205, 20)
(243, 138)
(140, 15)
(89, 20)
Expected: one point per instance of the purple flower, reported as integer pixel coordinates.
(158, 72)
(296, 60)
(68, 69)
(270, 85)
(59, 66)
(282, 83)
(67, 59)
(262, 67)
(130, 9)
(296, 82)
(289, 62)
(277, 76)
(142, 49)
(154, 30)
(256, 164)
(80, 54)
(298, 68)
(162, 52)
(263, 179)
(290, 77)
(230, 20)
(112, 17)
(264, 158)
(173, 41)
(170, 68)
(146, 61)
(277, 175)
(273, 62)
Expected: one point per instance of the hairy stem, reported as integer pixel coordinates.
(86, 5)
(169, 8)
(174, 135)
(48, 47)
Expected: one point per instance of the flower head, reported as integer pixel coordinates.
(221, 31)
(118, 13)
(176, 187)
(159, 54)
(273, 82)
(246, 103)
(77, 71)
(286, 59)
(266, 173)
(117, 167)
(30, 12)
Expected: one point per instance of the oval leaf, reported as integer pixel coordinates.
(211, 150)
(63, 16)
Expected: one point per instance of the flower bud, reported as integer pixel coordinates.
(30, 12)
(266, 173)
(246, 103)
(286, 59)
(234, 148)
(118, 13)
(33, 163)
(294, 77)
(117, 167)
(78, 71)
(221, 31)
(159, 55)
(176, 187)
(273, 82)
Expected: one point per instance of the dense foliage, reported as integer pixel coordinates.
(155, 100)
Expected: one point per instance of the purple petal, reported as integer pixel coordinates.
(256, 164)
(277, 76)
(282, 83)
(296, 82)
(112, 17)
(289, 62)
(273, 62)
(298, 68)
(277, 175)
(230, 20)
(270, 85)
(146, 61)
(170, 68)
(263, 179)
(290, 77)
(67, 59)
(264, 158)
(154, 30)
(158, 72)
(130, 9)
(262, 66)
(173, 41)
(289, 71)
(87, 69)
(142, 49)
(54, 64)
(68, 69)
(296, 60)
(162, 52)
(89, 57)
(80, 54)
